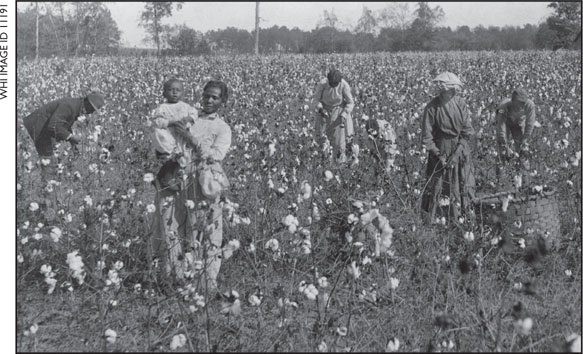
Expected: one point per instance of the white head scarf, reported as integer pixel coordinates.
(449, 80)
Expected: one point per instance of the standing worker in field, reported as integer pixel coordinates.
(446, 131)
(515, 120)
(189, 223)
(334, 104)
(53, 122)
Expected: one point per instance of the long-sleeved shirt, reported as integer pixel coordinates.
(445, 119)
(330, 96)
(213, 136)
(55, 118)
(164, 141)
(508, 117)
(171, 112)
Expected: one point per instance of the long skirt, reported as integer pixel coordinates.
(336, 129)
(187, 234)
(449, 191)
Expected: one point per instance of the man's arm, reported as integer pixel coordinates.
(347, 97)
(501, 130)
(427, 132)
(61, 121)
(530, 119)
(467, 130)
(316, 104)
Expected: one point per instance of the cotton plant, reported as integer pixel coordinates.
(393, 345)
(370, 295)
(55, 234)
(291, 222)
(524, 325)
(231, 304)
(112, 279)
(383, 232)
(308, 290)
(49, 277)
(306, 190)
(230, 248)
(178, 341)
(110, 335)
(76, 266)
(31, 331)
(254, 300)
(353, 270)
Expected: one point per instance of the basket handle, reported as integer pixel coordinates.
(491, 198)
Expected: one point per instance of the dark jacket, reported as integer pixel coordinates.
(55, 118)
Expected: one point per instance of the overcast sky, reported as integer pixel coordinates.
(204, 16)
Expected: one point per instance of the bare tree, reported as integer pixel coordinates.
(257, 28)
(367, 22)
(36, 48)
(63, 19)
(329, 19)
(152, 16)
(397, 15)
(55, 29)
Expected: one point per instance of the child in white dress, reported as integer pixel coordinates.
(171, 148)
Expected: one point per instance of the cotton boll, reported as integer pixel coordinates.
(328, 176)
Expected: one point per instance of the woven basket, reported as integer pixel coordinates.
(540, 213)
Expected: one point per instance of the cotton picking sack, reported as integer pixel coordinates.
(213, 181)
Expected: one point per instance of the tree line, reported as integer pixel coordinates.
(66, 29)
(72, 29)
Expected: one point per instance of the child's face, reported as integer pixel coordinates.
(173, 93)
(211, 100)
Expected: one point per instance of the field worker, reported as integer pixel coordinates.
(446, 130)
(53, 122)
(515, 120)
(169, 148)
(189, 230)
(334, 104)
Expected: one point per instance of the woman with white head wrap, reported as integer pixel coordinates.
(446, 130)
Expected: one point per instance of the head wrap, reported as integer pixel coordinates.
(519, 94)
(96, 100)
(449, 80)
(334, 76)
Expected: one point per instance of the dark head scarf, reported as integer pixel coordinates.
(519, 94)
(334, 77)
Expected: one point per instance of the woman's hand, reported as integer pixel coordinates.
(443, 161)
(453, 160)
(181, 130)
(455, 157)
(188, 120)
(177, 124)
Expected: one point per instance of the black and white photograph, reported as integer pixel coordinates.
(293, 176)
